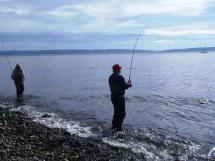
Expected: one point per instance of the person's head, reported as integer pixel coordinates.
(17, 67)
(116, 68)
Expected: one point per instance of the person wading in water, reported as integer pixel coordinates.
(117, 87)
(18, 77)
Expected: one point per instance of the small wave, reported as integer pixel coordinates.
(6, 105)
(55, 122)
(203, 101)
(168, 149)
(151, 152)
(211, 154)
(136, 148)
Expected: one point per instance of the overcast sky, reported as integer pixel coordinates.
(103, 24)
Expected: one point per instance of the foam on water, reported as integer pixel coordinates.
(55, 122)
(5, 106)
(151, 152)
(211, 154)
(133, 146)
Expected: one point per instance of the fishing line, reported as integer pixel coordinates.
(4, 49)
(133, 52)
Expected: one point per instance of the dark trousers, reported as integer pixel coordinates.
(119, 112)
(19, 88)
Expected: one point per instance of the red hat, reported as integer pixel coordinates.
(116, 68)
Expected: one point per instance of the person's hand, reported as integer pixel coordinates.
(129, 83)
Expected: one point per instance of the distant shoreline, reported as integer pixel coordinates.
(101, 51)
(78, 51)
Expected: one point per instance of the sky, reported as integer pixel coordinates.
(107, 24)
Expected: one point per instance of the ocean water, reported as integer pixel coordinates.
(170, 108)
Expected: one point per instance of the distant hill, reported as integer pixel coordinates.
(102, 51)
(76, 51)
(199, 49)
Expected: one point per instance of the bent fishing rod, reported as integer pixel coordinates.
(133, 52)
(4, 49)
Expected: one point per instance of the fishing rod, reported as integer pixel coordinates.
(4, 49)
(133, 52)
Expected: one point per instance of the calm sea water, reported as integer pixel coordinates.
(167, 103)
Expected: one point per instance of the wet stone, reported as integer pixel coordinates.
(46, 116)
(21, 139)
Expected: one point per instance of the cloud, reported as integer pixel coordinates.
(157, 7)
(166, 42)
(169, 18)
(64, 11)
(176, 32)
(5, 0)
(90, 9)
(124, 8)
(101, 9)
(15, 10)
(103, 16)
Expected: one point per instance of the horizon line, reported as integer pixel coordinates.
(98, 49)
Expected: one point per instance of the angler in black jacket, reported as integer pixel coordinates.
(117, 87)
(18, 77)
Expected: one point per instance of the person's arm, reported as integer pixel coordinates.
(123, 84)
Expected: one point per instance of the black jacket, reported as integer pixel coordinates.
(18, 75)
(117, 85)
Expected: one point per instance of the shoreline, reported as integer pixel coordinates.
(23, 139)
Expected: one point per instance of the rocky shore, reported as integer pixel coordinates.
(21, 139)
